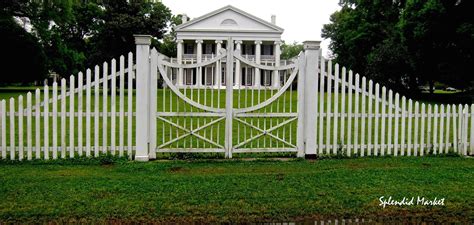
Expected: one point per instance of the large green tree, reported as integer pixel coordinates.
(75, 34)
(405, 44)
(24, 60)
(439, 37)
(121, 20)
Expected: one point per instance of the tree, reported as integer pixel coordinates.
(405, 44)
(24, 59)
(76, 34)
(364, 32)
(439, 36)
(289, 51)
(121, 20)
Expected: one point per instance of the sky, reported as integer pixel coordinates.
(301, 19)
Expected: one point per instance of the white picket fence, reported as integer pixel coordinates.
(54, 123)
(378, 121)
(338, 112)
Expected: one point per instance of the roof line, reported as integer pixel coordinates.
(235, 10)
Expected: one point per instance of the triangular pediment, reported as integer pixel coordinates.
(229, 18)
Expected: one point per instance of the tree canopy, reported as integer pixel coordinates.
(74, 34)
(405, 43)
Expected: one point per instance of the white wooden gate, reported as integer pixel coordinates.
(215, 112)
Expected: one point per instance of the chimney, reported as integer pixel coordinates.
(274, 19)
(184, 18)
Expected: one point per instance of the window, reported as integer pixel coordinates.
(248, 49)
(209, 48)
(267, 50)
(229, 22)
(188, 48)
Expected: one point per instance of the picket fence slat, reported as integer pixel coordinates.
(71, 117)
(422, 133)
(46, 123)
(343, 107)
(96, 109)
(63, 118)
(356, 111)
(447, 130)
(4, 128)
(349, 114)
(409, 129)
(415, 133)
(376, 131)
(336, 105)
(130, 103)
(364, 117)
(20, 128)
(464, 129)
(371, 118)
(88, 112)
(382, 130)
(105, 93)
(321, 104)
(397, 119)
(460, 121)
(328, 105)
(390, 110)
(37, 124)
(403, 132)
(441, 129)
(454, 130)
(12, 129)
(113, 108)
(121, 105)
(435, 130)
(29, 121)
(472, 130)
(55, 120)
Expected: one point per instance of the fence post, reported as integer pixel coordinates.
(142, 97)
(306, 86)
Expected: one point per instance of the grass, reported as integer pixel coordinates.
(114, 190)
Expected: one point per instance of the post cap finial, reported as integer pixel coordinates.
(141, 39)
(311, 45)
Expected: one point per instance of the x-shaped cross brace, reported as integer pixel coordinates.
(190, 132)
(265, 132)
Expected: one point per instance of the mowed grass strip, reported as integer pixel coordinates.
(232, 191)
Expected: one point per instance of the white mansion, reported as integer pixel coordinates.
(201, 39)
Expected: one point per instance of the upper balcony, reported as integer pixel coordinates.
(193, 57)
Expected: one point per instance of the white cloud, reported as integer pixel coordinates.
(301, 19)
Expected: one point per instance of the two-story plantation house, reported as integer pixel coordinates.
(201, 39)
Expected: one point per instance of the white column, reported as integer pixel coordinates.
(276, 74)
(238, 44)
(199, 59)
(308, 106)
(179, 57)
(257, 83)
(143, 98)
(217, 74)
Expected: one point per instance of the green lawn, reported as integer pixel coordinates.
(233, 191)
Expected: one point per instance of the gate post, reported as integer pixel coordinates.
(142, 97)
(307, 100)
(229, 98)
